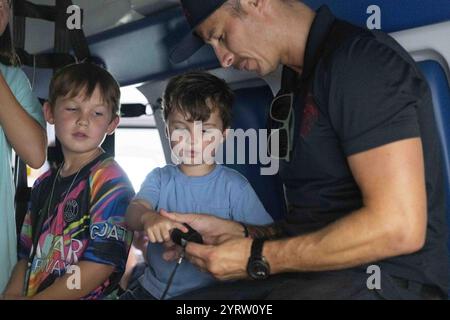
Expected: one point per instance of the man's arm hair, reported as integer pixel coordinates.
(270, 231)
(391, 222)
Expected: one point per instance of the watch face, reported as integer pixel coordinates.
(258, 269)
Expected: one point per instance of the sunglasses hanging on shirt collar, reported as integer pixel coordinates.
(281, 126)
(282, 116)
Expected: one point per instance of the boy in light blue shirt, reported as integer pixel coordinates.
(197, 110)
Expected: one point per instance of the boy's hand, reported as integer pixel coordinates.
(158, 227)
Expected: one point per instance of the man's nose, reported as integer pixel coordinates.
(226, 58)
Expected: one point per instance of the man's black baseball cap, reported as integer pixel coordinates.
(195, 11)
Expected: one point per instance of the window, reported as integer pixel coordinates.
(138, 144)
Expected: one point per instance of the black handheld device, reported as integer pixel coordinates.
(182, 238)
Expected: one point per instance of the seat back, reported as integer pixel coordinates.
(250, 112)
(440, 90)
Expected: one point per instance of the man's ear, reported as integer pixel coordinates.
(248, 5)
(113, 125)
(48, 113)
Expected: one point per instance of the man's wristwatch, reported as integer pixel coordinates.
(257, 268)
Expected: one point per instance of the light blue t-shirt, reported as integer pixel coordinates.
(223, 192)
(20, 87)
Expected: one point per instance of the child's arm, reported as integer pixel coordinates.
(26, 136)
(135, 211)
(140, 216)
(92, 275)
(15, 284)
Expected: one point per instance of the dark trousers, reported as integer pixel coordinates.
(136, 292)
(334, 285)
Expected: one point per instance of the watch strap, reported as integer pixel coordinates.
(257, 248)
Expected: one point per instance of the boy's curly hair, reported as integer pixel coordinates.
(196, 94)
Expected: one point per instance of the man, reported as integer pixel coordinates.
(363, 174)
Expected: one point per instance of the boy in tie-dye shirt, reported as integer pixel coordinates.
(74, 242)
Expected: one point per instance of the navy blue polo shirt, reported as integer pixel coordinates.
(365, 93)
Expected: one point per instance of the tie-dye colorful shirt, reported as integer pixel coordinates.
(86, 225)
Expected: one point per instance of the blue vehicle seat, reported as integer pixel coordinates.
(250, 112)
(440, 91)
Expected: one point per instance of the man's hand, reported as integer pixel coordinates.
(158, 227)
(214, 230)
(226, 261)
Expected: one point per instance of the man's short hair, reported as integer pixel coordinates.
(85, 77)
(197, 94)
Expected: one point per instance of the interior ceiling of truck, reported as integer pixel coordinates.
(150, 29)
(112, 25)
(99, 16)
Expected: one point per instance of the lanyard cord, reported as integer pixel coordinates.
(40, 222)
(172, 275)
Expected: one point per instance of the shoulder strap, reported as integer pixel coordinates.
(64, 39)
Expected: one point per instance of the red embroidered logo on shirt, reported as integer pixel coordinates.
(310, 115)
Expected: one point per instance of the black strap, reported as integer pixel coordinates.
(45, 60)
(64, 41)
(22, 192)
(19, 25)
(257, 248)
(26, 9)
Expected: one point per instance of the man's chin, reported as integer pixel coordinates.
(258, 72)
(262, 72)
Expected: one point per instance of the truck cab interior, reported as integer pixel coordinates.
(133, 38)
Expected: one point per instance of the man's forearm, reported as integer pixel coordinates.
(356, 239)
(271, 231)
